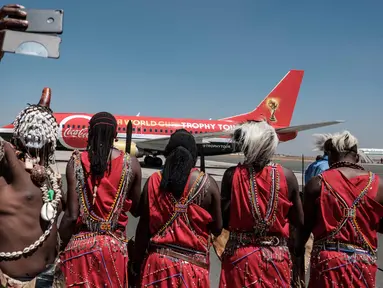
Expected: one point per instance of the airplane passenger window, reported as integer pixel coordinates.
(78, 126)
(68, 126)
(166, 131)
(144, 129)
(150, 129)
(119, 128)
(139, 129)
(155, 130)
(161, 130)
(83, 127)
(124, 129)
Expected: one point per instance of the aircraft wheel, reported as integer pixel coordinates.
(158, 161)
(148, 160)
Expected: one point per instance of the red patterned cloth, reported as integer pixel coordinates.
(347, 219)
(256, 254)
(97, 255)
(189, 230)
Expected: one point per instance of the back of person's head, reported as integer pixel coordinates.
(102, 133)
(319, 157)
(181, 156)
(339, 146)
(258, 141)
(36, 129)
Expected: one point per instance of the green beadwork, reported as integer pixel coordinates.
(51, 193)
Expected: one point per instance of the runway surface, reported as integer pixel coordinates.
(216, 166)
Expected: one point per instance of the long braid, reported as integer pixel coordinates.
(102, 132)
(181, 157)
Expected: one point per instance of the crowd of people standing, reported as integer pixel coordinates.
(181, 210)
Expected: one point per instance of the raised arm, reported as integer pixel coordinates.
(215, 210)
(7, 12)
(8, 20)
(135, 187)
(71, 213)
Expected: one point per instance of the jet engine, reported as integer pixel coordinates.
(134, 150)
(283, 137)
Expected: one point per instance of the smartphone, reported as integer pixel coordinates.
(33, 44)
(45, 21)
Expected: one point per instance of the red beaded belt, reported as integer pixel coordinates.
(251, 238)
(341, 247)
(194, 257)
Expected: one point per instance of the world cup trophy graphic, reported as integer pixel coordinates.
(272, 104)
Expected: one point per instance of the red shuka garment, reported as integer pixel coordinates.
(96, 255)
(253, 258)
(189, 230)
(346, 214)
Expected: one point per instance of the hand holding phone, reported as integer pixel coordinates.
(44, 21)
(12, 16)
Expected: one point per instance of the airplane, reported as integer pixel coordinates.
(150, 135)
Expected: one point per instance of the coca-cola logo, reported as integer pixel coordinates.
(74, 132)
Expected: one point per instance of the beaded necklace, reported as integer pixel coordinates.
(94, 222)
(346, 164)
(262, 224)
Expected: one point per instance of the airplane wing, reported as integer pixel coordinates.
(304, 127)
(159, 144)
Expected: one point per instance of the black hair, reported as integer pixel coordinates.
(102, 132)
(181, 156)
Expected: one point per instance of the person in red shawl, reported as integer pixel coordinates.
(259, 201)
(343, 208)
(103, 185)
(180, 209)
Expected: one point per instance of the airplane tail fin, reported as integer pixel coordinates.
(278, 107)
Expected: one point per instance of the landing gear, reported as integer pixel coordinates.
(153, 161)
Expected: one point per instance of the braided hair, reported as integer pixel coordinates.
(181, 156)
(102, 132)
(34, 128)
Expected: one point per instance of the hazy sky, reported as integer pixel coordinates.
(210, 59)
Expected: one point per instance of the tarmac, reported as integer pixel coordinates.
(216, 166)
